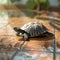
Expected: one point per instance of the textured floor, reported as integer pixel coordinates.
(35, 43)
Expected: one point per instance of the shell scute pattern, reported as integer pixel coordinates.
(34, 29)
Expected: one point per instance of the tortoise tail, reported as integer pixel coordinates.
(49, 34)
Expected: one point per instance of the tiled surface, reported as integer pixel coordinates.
(35, 43)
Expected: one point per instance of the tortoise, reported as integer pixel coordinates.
(31, 30)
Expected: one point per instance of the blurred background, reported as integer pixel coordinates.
(16, 13)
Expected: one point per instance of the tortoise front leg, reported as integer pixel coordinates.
(26, 37)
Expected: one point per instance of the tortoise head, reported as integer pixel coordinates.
(18, 30)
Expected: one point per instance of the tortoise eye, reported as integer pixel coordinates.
(15, 28)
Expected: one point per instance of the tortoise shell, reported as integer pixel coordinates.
(33, 29)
